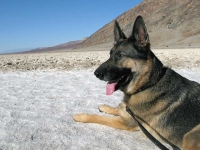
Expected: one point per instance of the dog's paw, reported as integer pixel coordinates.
(104, 108)
(81, 117)
(109, 110)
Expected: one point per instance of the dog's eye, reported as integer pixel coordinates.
(120, 55)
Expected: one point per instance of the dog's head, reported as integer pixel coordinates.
(129, 65)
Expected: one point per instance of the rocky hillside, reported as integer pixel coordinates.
(170, 23)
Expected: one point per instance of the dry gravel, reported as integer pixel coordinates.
(175, 58)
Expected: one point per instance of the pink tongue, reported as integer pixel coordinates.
(110, 88)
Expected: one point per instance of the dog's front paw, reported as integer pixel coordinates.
(81, 117)
(109, 110)
(104, 108)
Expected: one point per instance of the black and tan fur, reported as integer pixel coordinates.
(167, 104)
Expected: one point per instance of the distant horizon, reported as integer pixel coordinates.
(27, 25)
(18, 50)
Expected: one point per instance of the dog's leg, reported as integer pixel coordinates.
(114, 122)
(191, 140)
(109, 110)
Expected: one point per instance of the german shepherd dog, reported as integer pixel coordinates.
(164, 102)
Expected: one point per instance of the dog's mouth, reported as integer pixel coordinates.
(114, 85)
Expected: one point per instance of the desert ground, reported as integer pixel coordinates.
(86, 58)
(41, 92)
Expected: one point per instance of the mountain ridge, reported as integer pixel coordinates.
(65, 46)
(169, 23)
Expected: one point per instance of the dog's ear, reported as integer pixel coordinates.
(118, 34)
(139, 33)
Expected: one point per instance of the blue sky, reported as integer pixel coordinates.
(27, 24)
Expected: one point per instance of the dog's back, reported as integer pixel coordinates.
(183, 98)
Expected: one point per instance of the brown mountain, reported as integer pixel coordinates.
(170, 23)
(66, 46)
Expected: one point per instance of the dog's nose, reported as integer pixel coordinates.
(98, 74)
